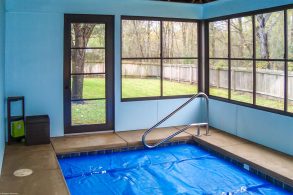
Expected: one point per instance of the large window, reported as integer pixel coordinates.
(251, 59)
(159, 58)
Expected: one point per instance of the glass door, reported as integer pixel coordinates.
(88, 73)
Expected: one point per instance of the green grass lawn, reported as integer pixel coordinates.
(133, 88)
(290, 106)
(94, 112)
(89, 112)
(94, 88)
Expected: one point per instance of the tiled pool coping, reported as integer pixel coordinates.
(219, 154)
(109, 151)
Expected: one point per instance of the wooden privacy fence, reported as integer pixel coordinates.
(268, 82)
(179, 73)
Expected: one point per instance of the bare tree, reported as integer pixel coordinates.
(262, 34)
(82, 33)
(242, 40)
(138, 37)
(184, 37)
(212, 45)
(148, 39)
(291, 29)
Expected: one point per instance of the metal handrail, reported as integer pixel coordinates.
(201, 94)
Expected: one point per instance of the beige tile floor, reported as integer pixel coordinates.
(47, 177)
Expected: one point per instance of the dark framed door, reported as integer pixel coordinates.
(88, 73)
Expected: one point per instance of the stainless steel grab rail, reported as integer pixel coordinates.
(201, 94)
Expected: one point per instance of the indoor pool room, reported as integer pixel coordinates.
(146, 97)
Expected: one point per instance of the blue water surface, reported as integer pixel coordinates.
(181, 169)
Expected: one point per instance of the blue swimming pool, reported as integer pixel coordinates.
(181, 169)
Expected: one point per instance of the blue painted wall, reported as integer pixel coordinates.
(2, 61)
(34, 53)
(228, 7)
(271, 130)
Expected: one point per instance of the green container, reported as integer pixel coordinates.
(17, 129)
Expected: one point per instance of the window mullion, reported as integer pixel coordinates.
(207, 57)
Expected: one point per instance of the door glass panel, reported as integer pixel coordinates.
(87, 35)
(87, 87)
(88, 112)
(87, 60)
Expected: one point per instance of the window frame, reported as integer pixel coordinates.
(254, 59)
(162, 58)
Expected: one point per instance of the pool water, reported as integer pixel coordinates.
(180, 169)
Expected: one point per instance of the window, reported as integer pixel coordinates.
(159, 58)
(241, 40)
(218, 64)
(251, 59)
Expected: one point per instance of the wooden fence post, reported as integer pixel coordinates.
(233, 80)
(178, 68)
(218, 78)
(191, 72)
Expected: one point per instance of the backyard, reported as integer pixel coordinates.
(94, 111)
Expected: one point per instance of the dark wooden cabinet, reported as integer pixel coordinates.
(37, 130)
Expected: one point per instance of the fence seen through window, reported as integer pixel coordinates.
(159, 58)
(251, 59)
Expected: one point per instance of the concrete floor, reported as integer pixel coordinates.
(47, 177)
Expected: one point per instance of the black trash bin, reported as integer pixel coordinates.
(37, 130)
